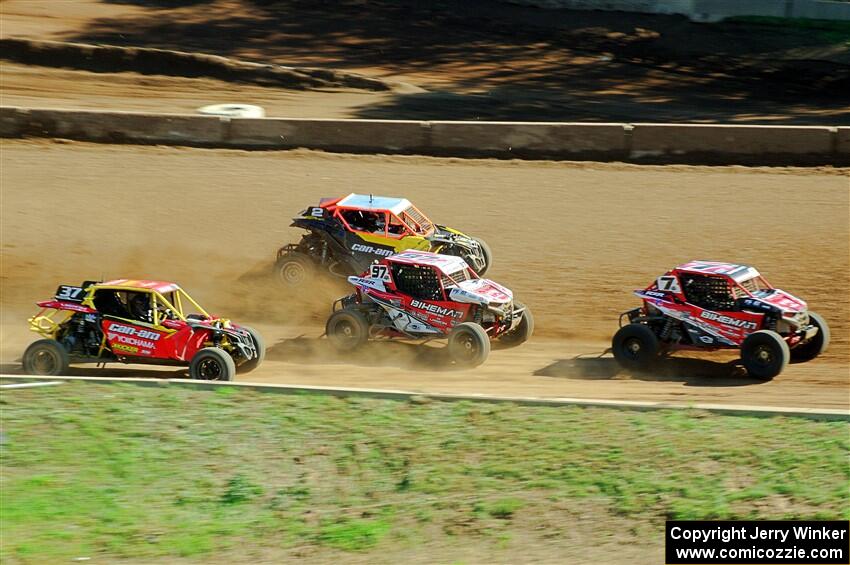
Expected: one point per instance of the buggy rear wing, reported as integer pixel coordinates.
(69, 293)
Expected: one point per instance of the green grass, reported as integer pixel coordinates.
(138, 472)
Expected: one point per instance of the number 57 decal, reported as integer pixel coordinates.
(668, 283)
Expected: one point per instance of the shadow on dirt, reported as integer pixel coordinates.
(316, 351)
(11, 368)
(110, 371)
(157, 3)
(512, 62)
(689, 371)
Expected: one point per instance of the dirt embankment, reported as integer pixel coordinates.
(478, 59)
(147, 61)
(572, 240)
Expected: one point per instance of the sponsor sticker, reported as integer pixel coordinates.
(369, 249)
(434, 309)
(728, 321)
(137, 332)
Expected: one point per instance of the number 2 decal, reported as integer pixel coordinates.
(379, 272)
(670, 284)
(317, 212)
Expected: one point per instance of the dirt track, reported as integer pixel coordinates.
(572, 240)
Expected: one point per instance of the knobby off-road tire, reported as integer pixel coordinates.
(347, 329)
(523, 331)
(469, 345)
(294, 270)
(458, 251)
(212, 364)
(815, 346)
(635, 347)
(46, 357)
(260, 345)
(765, 354)
(488, 256)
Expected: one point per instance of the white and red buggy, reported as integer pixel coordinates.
(421, 295)
(713, 305)
(138, 321)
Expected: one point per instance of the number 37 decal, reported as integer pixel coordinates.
(668, 283)
(72, 293)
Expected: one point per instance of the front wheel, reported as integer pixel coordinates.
(212, 364)
(294, 269)
(764, 354)
(523, 331)
(469, 345)
(259, 345)
(486, 254)
(347, 329)
(46, 357)
(815, 346)
(635, 346)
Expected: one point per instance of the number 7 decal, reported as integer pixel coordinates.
(668, 283)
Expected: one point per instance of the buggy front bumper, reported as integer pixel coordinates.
(631, 315)
(808, 333)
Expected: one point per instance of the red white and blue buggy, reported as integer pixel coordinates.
(421, 295)
(713, 305)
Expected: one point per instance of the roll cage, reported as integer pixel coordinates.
(424, 282)
(408, 222)
(164, 305)
(709, 290)
(114, 301)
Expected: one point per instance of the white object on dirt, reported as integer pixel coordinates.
(233, 110)
(31, 385)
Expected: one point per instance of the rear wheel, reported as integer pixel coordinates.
(635, 346)
(294, 269)
(469, 345)
(260, 346)
(212, 364)
(815, 346)
(46, 357)
(347, 329)
(523, 331)
(764, 354)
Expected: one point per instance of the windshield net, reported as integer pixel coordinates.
(754, 284)
(417, 221)
(457, 277)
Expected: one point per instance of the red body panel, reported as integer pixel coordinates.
(732, 324)
(465, 294)
(176, 339)
(783, 301)
(444, 314)
(135, 284)
(180, 343)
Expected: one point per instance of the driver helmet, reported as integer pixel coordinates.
(140, 306)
